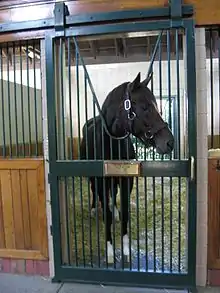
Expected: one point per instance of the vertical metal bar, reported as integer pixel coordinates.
(61, 82)
(28, 95)
(50, 87)
(154, 198)
(113, 212)
(169, 79)
(70, 96)
(88, 183)
(104, 193)
(178, 94)
(22, 100)
(160, 79)
(61, 95)
(162, 179)
(192, 124)
(79, 141)
(170, 124)
(138, 223)
(179, 147)
(71, 147)
(15, 99)
(9, 102)
(121, 210)
(154, 221)
(152, 89)
(211, 89)
(146, 215)
(95, 158)
(74, 222)
(137, 213)
(79, 152)
(3, 107)
(129, 213)
(35, 104)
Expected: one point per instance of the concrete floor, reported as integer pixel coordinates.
(26, 284)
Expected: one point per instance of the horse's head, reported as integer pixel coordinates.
(132, 108)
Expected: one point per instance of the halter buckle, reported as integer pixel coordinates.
(127, 105)
(131, 116)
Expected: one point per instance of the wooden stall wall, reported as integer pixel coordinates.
(23, 223)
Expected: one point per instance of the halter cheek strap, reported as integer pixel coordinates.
(131, 115)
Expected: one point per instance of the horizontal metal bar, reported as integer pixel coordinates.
(88, 168)
(27, 25)
(126, 278)
(77, 168)
(187, 10)
(174, 168)
(88, 19)
(118, 28)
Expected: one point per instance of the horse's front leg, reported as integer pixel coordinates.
(126, 189)
(94, 195)
(113, 206)
(104, 193)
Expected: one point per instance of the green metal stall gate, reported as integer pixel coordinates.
(163, 204)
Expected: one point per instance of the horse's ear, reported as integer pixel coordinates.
(136, 82)
(148, 79)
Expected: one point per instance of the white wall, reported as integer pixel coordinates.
(14, 94)
(105, 77)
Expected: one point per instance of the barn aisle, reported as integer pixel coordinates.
(27, 284)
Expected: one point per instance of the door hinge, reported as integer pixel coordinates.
(176, 13)
(60, 12)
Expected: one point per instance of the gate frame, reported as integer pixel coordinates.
(63, 28)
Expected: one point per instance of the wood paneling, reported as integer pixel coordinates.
(204, 14)
(23, 224)
(213, 215)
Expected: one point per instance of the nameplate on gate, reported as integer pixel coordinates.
(121, 168)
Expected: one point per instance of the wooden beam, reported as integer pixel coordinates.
(22, 254)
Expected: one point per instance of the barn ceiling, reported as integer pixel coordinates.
(130, 47)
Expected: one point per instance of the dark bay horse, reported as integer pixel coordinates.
(130, 108)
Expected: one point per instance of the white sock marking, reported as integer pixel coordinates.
(110, 253)
(126, 245)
